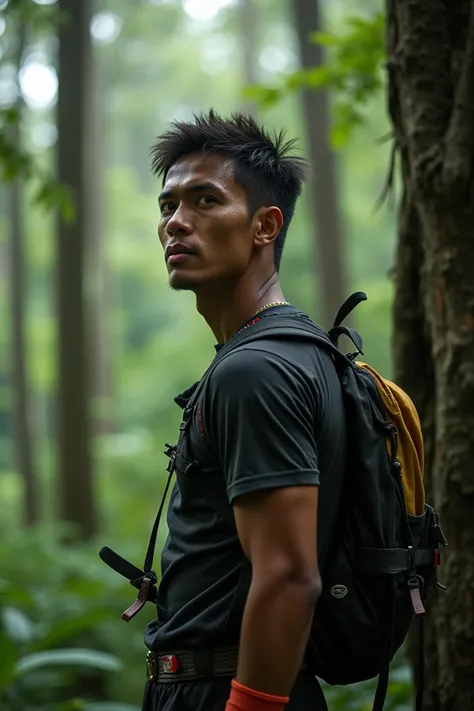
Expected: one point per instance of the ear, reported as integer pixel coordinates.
(268, 222)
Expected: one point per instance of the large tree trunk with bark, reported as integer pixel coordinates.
(325, 212)
(430, 46)
(76, 494)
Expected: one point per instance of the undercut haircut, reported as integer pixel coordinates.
(262, 162)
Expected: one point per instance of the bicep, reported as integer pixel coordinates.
(278, 531)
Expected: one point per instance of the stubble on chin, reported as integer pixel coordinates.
(182, 284)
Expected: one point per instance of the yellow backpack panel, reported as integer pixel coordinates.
(401, 413)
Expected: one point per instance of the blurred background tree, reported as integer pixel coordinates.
(98, 345)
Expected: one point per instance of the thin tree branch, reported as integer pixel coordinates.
(460, 135)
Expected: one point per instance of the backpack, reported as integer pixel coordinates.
(384, 557)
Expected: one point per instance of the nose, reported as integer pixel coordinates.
(179, 223)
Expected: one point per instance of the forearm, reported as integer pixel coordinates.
(275, 630)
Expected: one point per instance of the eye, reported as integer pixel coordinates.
(166, 207)
(206, 200)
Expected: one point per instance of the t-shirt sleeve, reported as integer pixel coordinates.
(262, 415)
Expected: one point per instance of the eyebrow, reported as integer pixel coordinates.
(166, 194)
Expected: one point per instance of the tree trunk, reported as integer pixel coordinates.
(24, 434)
(325, 212)
(98, 291)
(76, 494)
(248, 18)
(431, 101)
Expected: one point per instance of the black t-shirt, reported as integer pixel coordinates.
(272, 416)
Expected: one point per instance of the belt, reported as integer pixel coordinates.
(190, 665)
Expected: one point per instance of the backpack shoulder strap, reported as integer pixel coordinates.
(269, 327)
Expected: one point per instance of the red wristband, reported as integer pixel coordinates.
(244, 699)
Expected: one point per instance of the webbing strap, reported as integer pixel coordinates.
(348, 306)
(147, 566)
(337, 331)
(421, 667)
(144, 580)
(384, 674)
(120, 565)
(392, 560)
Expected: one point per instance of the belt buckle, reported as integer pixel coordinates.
(150, 666)
(170, 664)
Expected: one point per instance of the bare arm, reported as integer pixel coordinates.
(277, 530)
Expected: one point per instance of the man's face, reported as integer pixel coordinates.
(204, 226)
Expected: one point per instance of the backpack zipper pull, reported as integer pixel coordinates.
(414, 584)
(416, 601)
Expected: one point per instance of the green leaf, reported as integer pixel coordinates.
(318, 77)
(352, 71)
(66, 657)
(109, 706)
(18, 627)
(70, 627)
(8, 657)
(266, 96)
(10, 115)
(51, 194)
(324, 39)
(71, 705)
(18, 163)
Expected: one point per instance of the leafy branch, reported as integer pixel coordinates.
(352, 70)
(15, 161)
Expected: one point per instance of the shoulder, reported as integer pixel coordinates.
(256, 366)
(276, 372)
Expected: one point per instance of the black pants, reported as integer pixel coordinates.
(212, 695)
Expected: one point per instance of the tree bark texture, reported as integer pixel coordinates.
(76, 494)
(325, 210)
(430, 47)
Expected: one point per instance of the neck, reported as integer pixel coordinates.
(226, 309)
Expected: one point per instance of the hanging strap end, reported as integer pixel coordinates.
(144, 594)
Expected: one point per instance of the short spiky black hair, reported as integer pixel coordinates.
(262, 165)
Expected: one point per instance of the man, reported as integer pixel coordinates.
(268, 434)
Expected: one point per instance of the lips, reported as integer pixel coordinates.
(177, 252)
(179, 258)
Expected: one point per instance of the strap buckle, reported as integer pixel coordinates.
(151, 667)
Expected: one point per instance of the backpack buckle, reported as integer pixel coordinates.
(171, 452)
(438, 533)
(151, 667)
